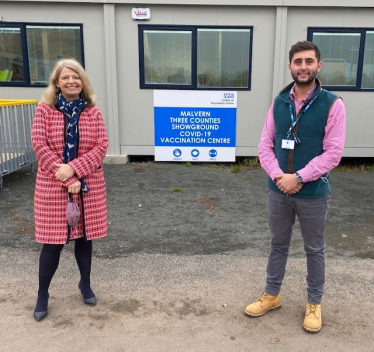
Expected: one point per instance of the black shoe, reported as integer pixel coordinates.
(91, 300)
(41, 309)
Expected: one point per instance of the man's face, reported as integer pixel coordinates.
(304, 67)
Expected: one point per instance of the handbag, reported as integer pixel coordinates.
(72, 212)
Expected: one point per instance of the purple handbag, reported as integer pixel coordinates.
(72, 212)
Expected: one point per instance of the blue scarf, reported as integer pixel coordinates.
(72, 110)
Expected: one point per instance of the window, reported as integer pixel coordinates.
(11, 63)
(186, 57)
(167, 57)
(368, 67)
(28, 52)
(347, 56)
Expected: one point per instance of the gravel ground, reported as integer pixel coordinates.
(186, 252)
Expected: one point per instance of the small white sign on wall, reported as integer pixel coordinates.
(141, 14)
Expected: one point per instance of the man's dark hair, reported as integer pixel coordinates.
(302, 46)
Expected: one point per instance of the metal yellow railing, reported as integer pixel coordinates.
(16, 151)
(12, 102)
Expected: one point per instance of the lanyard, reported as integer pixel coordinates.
(294, 121)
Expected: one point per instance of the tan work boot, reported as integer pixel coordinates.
(313, 318)
(263, 305)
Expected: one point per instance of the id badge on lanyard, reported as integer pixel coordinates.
(288, 143)
(292, 138)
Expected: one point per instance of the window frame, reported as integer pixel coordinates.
(194, 30)
(25, 53)
(360, 63)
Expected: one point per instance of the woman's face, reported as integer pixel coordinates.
(69, 83)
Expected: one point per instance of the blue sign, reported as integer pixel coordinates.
(177, 153)
(195, 126)
(195, 153)
(213, 153)
(205, 127)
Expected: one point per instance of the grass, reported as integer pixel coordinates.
(356, 165)
(356, 168)
(235, 169)
(177, 190)
(253, 163)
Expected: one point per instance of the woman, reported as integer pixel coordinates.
(70, 142)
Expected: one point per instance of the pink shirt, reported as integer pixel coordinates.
(333, 142)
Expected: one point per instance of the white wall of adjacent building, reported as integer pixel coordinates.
(112, 60)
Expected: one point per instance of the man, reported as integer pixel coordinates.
(302, 140)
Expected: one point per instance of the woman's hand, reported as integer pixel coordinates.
(64, 172)
(75, 187)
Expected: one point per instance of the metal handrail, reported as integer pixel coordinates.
(16, 151)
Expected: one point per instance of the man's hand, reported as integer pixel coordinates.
(75, 187)
(287, 183)
(64, 172)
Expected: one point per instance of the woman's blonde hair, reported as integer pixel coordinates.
(49, 96)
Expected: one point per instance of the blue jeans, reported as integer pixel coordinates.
(312, 215)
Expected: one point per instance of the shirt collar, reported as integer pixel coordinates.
(293, 95)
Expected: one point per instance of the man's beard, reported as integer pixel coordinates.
(311, 79)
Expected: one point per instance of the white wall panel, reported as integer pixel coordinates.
(277, 25)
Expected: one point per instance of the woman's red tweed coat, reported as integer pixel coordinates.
(50, 194)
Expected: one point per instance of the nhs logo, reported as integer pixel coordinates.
(228, 95)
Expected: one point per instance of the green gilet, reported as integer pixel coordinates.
(311, 131)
